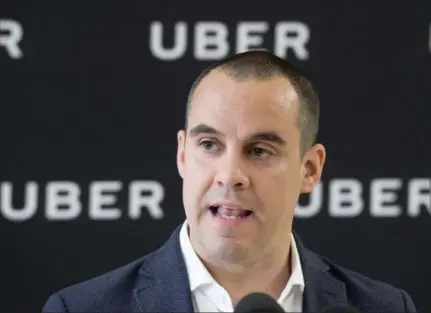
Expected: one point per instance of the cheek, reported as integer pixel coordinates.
(195, 167)
(280, 188)
(194, 158)
(191, 197)
(197, 178)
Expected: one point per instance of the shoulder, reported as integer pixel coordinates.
(117, 290)
(111, 291)
(370, 295)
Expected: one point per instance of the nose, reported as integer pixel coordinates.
(231, 174)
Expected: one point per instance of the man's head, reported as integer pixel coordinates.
(246, 154)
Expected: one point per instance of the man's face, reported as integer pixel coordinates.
(241, 166)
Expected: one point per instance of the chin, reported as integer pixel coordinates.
(229, 250)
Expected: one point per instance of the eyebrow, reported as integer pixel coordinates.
(203, 129)
(269, 136)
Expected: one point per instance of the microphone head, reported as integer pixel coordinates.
(258, 302)
(341, 309)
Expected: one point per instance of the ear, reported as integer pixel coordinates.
(181, 140)
(311, 168)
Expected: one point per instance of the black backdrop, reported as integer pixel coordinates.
(92, 94)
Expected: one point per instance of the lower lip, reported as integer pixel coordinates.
(230, 222)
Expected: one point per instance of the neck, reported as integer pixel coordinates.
(268, 275)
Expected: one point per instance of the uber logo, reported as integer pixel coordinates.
(346, 198)
(11, 33)
(215, 40)
(63, 200)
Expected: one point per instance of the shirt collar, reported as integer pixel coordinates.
(296, 278)
(196, 270)
(199, 276)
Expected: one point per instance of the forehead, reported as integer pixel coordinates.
(244, 105)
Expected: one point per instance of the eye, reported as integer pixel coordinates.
(259, 152)
(207, 144)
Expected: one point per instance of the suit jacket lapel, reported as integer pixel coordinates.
(163, 282)
(322, 290)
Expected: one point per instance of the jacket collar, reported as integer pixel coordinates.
(322, 288)
(162, 284)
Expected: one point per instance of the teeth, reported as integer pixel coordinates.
(229, 217)
(229, 213)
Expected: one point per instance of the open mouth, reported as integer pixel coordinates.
(229, 213)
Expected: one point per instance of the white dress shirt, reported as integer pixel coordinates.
(209, 296)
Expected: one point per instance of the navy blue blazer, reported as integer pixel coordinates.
(158, 282)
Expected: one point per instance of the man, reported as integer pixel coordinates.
(247, 152)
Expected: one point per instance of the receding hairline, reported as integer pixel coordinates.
(256, 64)
(232, 74)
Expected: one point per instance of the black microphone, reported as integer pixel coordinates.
(341, 309)
(258, 302)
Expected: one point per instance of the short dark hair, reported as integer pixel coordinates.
(263, 65)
